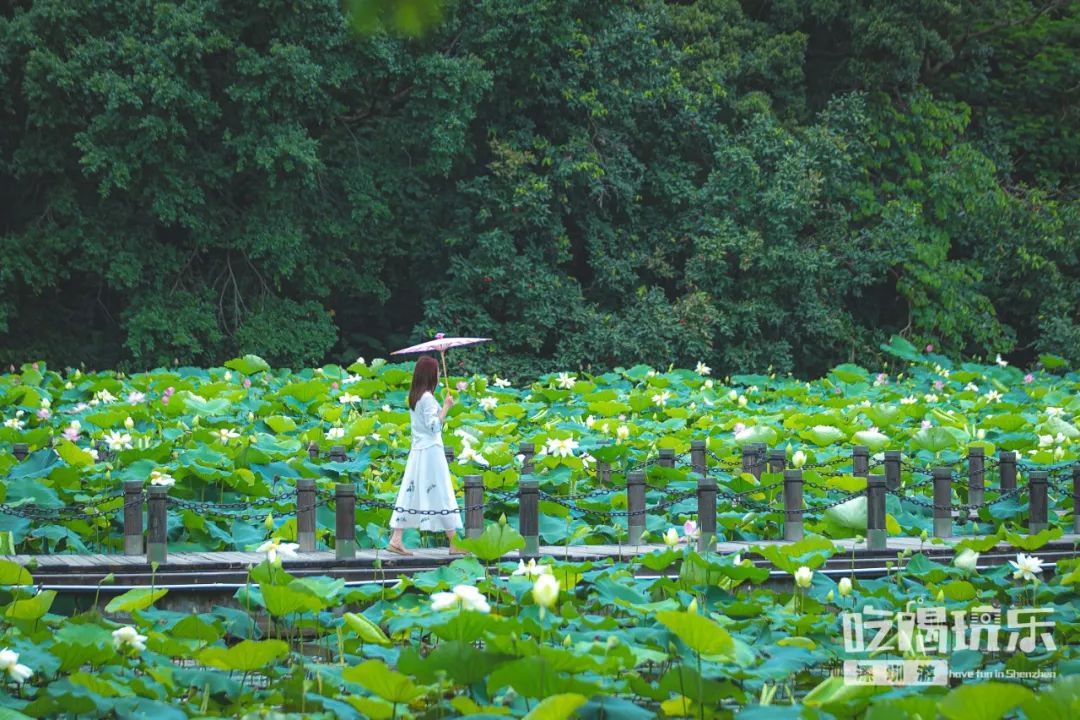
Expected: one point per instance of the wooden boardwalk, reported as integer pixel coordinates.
(220, 571)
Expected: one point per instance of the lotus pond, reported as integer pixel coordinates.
(239, 435)
(482, 637)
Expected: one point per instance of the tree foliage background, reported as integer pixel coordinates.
(753, 183)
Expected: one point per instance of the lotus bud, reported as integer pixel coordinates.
(566, 641)
(692, 607)
(502, 519)
(941, 596)
(829, 596)
(798, 459)
(268, 523)
(251, 417)
(923, 535)
(129, 423)
(228, 376)
(844, 586)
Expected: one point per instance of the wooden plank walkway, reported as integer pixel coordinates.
(230, 569)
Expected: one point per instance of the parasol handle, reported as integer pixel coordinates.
(446, 377)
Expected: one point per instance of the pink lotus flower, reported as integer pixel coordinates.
(164, 399)
(135, 397)
(334, 386)
(926, 424)
(1029, 378)
(836, 391)
(44, 413)
(35, 366)
(690, 531)
(739, 427)
(247, 382)
(462, 386)
(440, 336)
(71, 434)
(939, 384)
(169, 390)
(929, 348)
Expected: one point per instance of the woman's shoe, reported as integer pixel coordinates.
(398, 549)
(455, 550)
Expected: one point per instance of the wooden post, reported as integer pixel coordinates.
(706, 513)
(761, 451)
(345, 521)
(529, 516)
(635, 505)
(976, 475)
(697, 457)
(20, 451)
(777, 460)
(526, 449)
(603, 468)
(1037, 501)
(305, 514)
(337, 454)
(313, 451)
(942, 502)
(793, 505)
(133, 530)
(474, 498)
(860, 461)
(749, 456)
(157, 530)
(1076, 498)
(875, 512)
(667, 458)
(892, 470)
(1007, 469)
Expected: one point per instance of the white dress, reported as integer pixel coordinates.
(426, 484)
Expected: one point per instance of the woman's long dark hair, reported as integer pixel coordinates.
(424, 379)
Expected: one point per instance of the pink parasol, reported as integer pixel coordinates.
(441, 344)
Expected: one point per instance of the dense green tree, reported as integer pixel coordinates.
(750, 183)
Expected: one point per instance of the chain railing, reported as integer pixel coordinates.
(720, 478)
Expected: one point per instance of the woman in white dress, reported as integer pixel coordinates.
(426, 484)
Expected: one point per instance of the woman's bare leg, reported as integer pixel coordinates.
(395, 542)
(451, 537)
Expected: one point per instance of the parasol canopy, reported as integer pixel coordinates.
(440, 344)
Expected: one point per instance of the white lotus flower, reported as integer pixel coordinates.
(162, 479)
(930, 398)
(671, 537)
(349, 379)
(128, 637)
(566, 381)
(226, 434)
(798, 459)
(743, 433)
(532, 569)
(966, 559)
(561, 448)
(9, 663)
(992, 396)
(590, 421)
(1045, 440)
(972, 387)
(733, 395)
(1028, 567)
(702, 368)
(844, 586)
(909, 400)
(348, 398)
(135, 397)
(13, 423)
(276, 549)
(545, 591)
(467, 596)
(708, 384)
(359, 361)
(661, 398)
(488, 403)
(622, 432)
(743, 401)
(804, 576)
(466, 437)
(335, 433)
(1059, 453)
(999, 361)
(1054, 411)
(118, 441)
(501, 382)
(104, 396)
(468, 454)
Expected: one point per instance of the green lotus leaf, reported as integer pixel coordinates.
(135, 599)
(245, 656)
(248, 365)
(983, 701)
